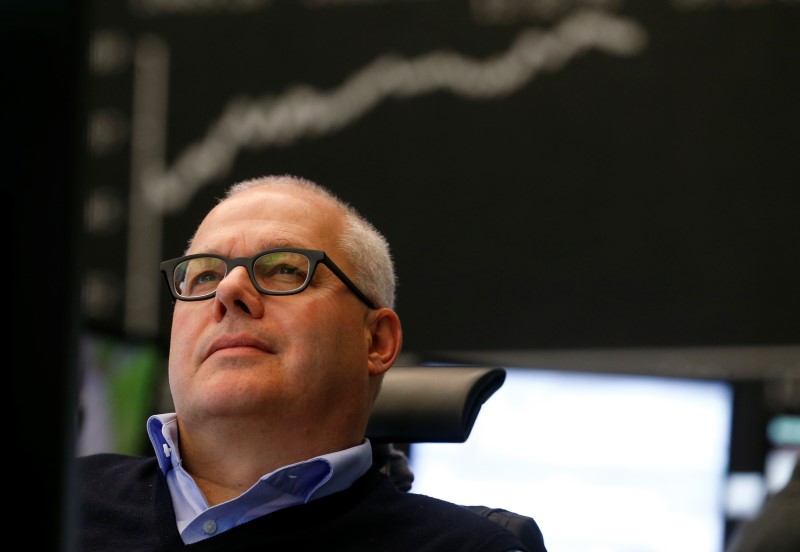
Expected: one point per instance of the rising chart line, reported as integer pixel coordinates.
(302, 111)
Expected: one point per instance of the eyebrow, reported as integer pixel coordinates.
(281, 243)
(261, 245)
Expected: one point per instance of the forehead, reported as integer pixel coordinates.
(260, 218)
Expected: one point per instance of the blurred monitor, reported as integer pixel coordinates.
(603, 463)
(119, 380)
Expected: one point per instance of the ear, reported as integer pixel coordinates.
(386, 340)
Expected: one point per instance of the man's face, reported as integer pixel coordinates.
(299, 359)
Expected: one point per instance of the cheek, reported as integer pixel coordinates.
(323, 335)
(333, 324)
(186, 317)
(183, 338)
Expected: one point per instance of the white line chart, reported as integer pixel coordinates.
(301, 112)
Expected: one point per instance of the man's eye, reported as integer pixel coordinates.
(206, 277)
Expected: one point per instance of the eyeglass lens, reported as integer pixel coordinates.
(280, 271)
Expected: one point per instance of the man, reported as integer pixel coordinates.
(283, 327)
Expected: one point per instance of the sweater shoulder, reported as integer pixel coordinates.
(436, 523)
(104, 475)
(112, 468)
(124, 504)
(373, 514)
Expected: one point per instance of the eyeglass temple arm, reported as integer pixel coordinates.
(348, 282)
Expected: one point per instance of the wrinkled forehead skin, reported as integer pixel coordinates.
(264, 217)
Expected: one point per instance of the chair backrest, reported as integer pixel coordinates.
(437, 404)
(431, 404)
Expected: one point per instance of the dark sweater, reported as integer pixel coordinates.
(126, 506)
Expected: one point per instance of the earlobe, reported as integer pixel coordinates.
(386, 340)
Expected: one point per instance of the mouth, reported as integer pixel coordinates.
(239, 343)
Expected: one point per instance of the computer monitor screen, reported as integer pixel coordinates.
(602, 462)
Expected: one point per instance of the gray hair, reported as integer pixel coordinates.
(366, 247)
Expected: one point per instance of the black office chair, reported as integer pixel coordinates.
(437, 404)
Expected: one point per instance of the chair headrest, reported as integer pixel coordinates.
(431, 404)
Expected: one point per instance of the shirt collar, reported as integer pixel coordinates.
(294, 484)
(163, 432)
(347, 465)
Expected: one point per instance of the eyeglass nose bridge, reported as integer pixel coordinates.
(244, 262)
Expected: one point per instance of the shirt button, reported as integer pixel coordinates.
(210, 527)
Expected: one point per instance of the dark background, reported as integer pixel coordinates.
(41, 44)
(641, 200)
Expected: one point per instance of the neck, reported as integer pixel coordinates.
(226, 458)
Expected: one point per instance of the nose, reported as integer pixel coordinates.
(237, 294)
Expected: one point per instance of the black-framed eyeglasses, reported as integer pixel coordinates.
(283, 271)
